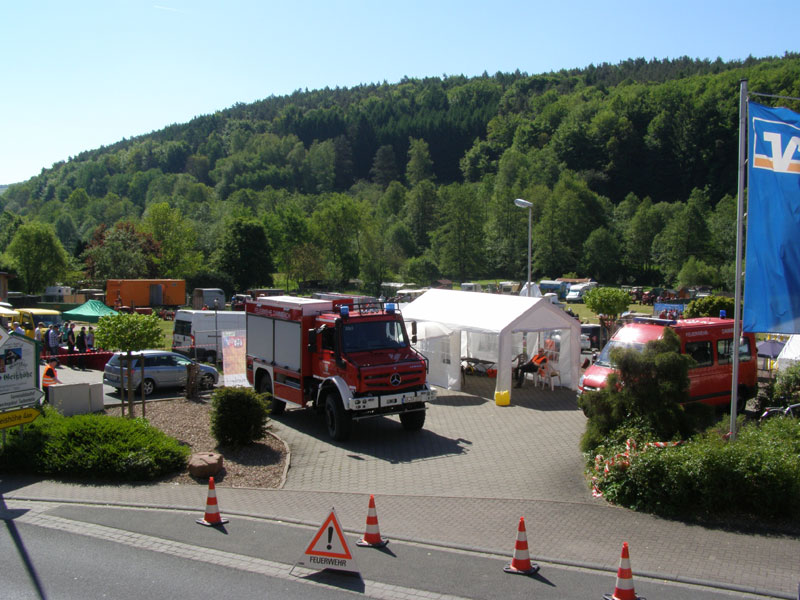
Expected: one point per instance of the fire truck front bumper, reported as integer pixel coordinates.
(391, 403)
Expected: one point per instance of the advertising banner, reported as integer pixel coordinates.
(234, 358)
(19, 373)
(772, 266)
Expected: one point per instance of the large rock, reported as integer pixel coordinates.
(205, 464)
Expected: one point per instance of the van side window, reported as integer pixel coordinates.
(725, 354)
(701, 353)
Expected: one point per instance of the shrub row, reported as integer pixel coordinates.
(757, 474)
(92, 447)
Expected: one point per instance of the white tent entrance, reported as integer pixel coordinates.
(454, 326)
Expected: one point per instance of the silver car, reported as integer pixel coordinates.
(162, 369)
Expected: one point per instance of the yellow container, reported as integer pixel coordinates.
(502, 398)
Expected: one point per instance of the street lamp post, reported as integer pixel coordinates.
(216, 331)
(529, 205)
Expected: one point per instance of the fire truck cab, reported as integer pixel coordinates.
(349, 361)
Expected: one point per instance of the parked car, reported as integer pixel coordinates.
(238, 301)
(591, 336)
(162, 369)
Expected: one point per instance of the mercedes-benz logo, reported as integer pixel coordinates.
(395, 379)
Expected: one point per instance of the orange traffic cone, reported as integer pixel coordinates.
(212, 510)
(372, 537)
(624, 588)
(521, 563)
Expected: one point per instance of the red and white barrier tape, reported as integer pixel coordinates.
(621, 460)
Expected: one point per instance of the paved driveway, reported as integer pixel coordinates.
(469, 447)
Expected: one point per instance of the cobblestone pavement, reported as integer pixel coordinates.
(469, 447)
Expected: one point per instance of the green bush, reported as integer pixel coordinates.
(238, 416)
(709, 307)
(787, 386)
(647, 387)
(758, 474)
(92, 447)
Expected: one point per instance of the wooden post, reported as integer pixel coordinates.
(130, 385)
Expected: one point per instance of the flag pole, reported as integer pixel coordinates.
(737, 308)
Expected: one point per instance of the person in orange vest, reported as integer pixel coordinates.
(537, 361)
(49, 377)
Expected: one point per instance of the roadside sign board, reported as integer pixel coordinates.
(328, 549)
(22, 416)
(19, 373)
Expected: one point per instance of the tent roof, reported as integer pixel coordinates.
(486, 313)
(90, 311)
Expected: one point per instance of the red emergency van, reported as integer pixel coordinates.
(708, 340)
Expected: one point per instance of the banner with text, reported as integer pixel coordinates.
(772, 267)
(234, 358)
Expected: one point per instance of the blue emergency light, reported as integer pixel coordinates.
(344, 310)
(391, 307)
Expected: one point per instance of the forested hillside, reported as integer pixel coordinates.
(631, 168)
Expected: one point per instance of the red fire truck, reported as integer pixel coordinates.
(349, 361)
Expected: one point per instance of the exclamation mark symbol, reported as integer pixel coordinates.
(330, 536)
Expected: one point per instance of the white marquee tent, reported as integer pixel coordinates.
(790, 354)
(454, 325)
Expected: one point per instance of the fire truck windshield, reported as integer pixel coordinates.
(372, 335)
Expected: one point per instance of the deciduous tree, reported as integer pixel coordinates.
(38, 255)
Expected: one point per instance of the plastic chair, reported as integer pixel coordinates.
(546, 375)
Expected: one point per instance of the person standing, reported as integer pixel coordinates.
(37, 336)
(53, 340)
(71, 338)
(90, 339)
(49, 377)
(80, 344)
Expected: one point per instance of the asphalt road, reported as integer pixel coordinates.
(92, 552)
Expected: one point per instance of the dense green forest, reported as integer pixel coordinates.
(631, 169)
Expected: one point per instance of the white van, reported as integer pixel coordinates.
(195, 333)
(578, 291)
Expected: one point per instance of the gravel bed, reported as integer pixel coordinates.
(260, 465)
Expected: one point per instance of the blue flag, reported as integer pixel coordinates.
(772, 267)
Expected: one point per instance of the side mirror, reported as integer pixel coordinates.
(413, 332)
(312, 340)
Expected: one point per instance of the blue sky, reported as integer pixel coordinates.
(81, 74)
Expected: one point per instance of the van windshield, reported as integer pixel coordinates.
(604, 359)
(48, 320)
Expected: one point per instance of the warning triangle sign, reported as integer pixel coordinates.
(328, 549)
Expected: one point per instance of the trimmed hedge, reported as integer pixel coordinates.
(757, 474)
(92, 447)
(238, 416)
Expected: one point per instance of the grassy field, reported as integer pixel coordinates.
(588, 316)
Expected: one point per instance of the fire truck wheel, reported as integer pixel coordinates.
(336, 418)
(276, 407)
(412, 421)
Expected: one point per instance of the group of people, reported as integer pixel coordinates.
(52, 337)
